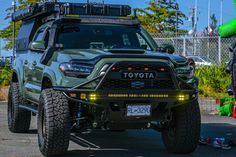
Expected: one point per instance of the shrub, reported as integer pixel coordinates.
(5, 75)
(213, 80)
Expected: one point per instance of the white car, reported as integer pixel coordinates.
(201, 60)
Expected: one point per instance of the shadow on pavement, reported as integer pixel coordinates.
(147, 143)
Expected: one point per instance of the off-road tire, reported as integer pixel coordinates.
(182, 135)
(18, 118)
(53, 123)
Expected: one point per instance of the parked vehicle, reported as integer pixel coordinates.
(201, 60)
(98, 70)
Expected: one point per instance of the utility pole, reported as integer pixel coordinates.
(192, 17)
(221, 22)
(14, 32)
(195, 27)
(221, 12)
(196, 16)
(209, 14)
(208, 27)
(177, 18)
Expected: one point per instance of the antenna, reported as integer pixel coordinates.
(14, 31)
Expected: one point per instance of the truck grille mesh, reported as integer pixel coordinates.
(119, 83)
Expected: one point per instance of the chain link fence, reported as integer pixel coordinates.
(215, 48)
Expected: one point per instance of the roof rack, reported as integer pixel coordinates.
(49, 8)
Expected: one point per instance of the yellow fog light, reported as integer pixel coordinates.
(183, 97)
(83, 96)
(93, 97)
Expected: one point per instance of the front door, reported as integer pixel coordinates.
(34, 70)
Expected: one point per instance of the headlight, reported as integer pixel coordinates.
(76, 70)
(185, 72)
(104, 69)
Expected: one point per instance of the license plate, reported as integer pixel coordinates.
(138, 110)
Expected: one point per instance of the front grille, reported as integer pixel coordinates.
(127, 84)
(162, 81)
(147, 67)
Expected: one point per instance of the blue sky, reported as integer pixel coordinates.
(185, 5)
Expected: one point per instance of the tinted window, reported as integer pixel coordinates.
(39, 36)
(101, 37)
(43, 35)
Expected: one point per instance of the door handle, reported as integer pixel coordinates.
(34, 63)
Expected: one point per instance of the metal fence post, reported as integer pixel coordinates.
(215, 48)
(184, 46)
(219, 49)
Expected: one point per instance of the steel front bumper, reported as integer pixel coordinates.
(110, 105)
(182, 92)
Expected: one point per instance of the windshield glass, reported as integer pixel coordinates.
(102, 37)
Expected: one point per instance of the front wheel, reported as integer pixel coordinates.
(53, 123)
(18, 118)
(182, 135)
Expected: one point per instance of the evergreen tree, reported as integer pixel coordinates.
(161, 15)
(213, 28)
(6, 33)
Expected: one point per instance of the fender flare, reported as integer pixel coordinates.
(50, 75)
(19, 75)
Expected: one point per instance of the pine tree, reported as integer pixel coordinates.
(6, 33)
(161, 15)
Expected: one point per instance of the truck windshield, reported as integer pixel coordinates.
(94, 36)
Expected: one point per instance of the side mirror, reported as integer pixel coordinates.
(37, 46)
(168, 48)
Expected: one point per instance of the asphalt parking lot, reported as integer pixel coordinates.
(132, 143)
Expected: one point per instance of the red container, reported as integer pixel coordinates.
(217, 101)
(234, 111)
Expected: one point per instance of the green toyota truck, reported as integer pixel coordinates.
(92, 66)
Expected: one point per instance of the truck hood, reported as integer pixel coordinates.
(96, 55)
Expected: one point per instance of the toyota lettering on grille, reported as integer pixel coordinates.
(138, 75)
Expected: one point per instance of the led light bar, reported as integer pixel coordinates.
(124, 95)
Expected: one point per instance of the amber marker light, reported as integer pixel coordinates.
(163, 69)
(83, 96)
(73, 95)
